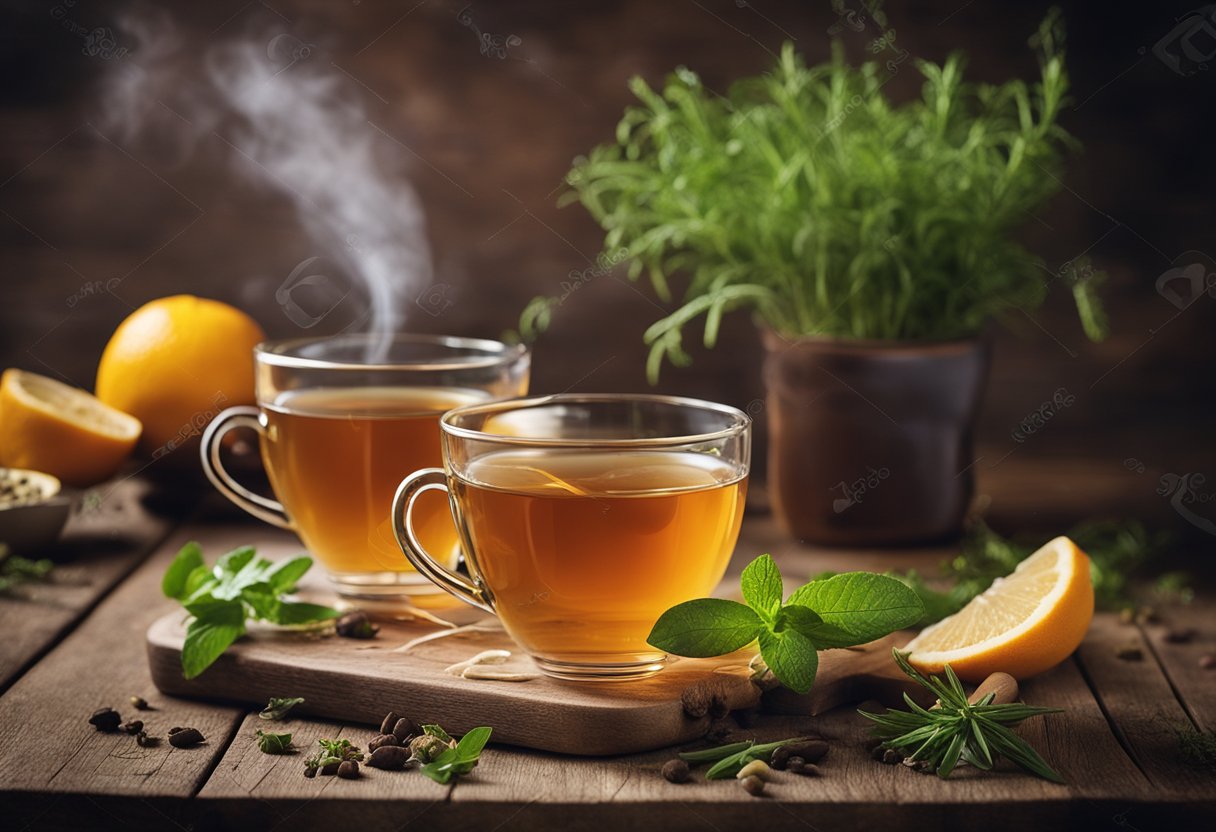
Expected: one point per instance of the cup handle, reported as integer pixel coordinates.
(431, 479)
(260, 507)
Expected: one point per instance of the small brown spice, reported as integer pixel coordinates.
(676, 771)
(753, 785)
(185, 737)
(389, 758)
(796, 765)
(890, 757)
(348, 770)
(426, 748)
(389, 721)
(135, 726)
(139, 703)
(356, 624)
(329, 769)
(310, 771)
(144, 741)
(405, 729)
(810, 750)
(1180, 635)
(382, 741)
(1207, 661)
(1130, 653)
(105, 719)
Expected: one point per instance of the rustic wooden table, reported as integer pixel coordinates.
(78, 643)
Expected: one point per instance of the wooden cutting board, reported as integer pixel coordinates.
(360, 681)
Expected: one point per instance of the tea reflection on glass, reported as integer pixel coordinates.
(583, 518)
(337, 433)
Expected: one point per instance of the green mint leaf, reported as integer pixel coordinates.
(208, 637)
(458, 760)
(800, 619)
(188, 559)
(705, 627)
(791, 657)
(278, 707)
(233, 562)
(274, 743)
(199, 583)
(761, 585)
(284, 575)
(859, 607)
(437, 731)
(292, 613)
(262, 600)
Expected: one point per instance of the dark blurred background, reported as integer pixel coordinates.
(488, 103)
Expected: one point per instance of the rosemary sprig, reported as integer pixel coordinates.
(956, 730)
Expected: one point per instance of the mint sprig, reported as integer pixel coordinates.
(220, 599)
(841, 611)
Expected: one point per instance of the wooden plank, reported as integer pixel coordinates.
(99, 547)
(102, 663)
(1194, 686)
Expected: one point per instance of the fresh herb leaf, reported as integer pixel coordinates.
(729, 759)
(240, 586)
(16, 570)
(761, 587)
(274, 743)
(278, 708)
(705, 627)
(189, 558)
(859, 606)
(791, 657)
(458, 760)
(208, 637)
(957, 730)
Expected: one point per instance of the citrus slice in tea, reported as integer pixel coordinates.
(60, 430)
(1025, 623)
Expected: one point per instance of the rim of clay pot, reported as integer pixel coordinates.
(775, 342)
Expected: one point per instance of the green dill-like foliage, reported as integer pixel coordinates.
(807, 196)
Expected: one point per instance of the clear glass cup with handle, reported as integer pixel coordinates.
(339, 420)
(583, 518)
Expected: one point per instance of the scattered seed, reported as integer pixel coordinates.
(1130, 653)
(382, 741)
(753, 785)
(185, 737)
(105, 719)
(676, 771)
(797, 765)
(348, 770)
(135, 726)
(1207, 662)
(386, 724)
(389, 758)
(139, 703)
(404, 729)
(756, 768)
(890, 757)
(356, 624)
(329, 769)
(811, 751)
(144, 741)
(310, 772)
(1180, 635)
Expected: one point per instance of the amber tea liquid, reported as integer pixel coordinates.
(584, 551)
(335, 457)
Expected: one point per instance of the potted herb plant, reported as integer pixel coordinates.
(872, 241)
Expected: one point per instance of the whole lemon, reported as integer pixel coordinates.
(175, 363)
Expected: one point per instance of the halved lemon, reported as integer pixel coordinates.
(49, 426)
(1025, 623)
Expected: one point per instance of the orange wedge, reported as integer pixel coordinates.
(1025, 623)
(60, 430)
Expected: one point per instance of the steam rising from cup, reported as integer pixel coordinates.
(291, 123)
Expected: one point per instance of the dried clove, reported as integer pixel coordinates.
(140, 704)
(676, 771)
(330, 769)
(348, 770)
(887, 756)
(389, 722)
(389, 757)
(356, 624)
(797, 765)
(310, 771)
(382, 741)
(105, 719)
(185, 737)
(135, 726)
(144, 741)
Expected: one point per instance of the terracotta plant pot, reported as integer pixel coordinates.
(870, 441)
